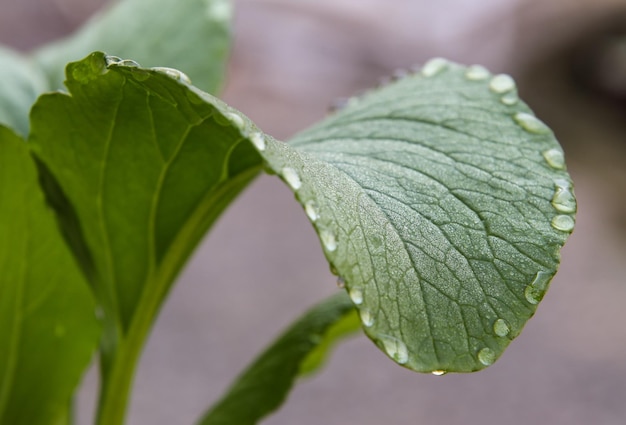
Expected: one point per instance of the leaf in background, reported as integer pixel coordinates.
(21, 82)
(191, 34)
(48, 330)
(264, 385)
(443, 203)
(147, 163)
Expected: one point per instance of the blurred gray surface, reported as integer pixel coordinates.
(261, 265)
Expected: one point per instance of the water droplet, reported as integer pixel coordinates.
(328, 240)
(536, 290)
(112, 60)
(486, 356)
(434, 67)
(438, 372)
(501, 328)
(564, 223)
(533, 295)
(235, 119)
(310, 207)
(258, 140)
(563, 199)
(395, 349)
(356, 295)
(292, 178)
(366, 317)
(219, 10)
(341, 283)
(531, 123)
(501, 83)
(509, 98)
(129, 63)
(174, 74)
(555, 159)
(477, 73)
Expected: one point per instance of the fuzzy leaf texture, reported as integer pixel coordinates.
(443, 203)
(48, 329)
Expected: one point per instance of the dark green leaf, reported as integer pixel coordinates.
(443, 203)
(138, 164)
(263, 387)
(48, 329)
(192, 35)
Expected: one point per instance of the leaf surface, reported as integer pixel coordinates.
(192, 35)
(138, 165)
(443, 202)
(264, 385)
(48, 329)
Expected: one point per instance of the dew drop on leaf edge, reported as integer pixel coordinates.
(501, 83)
(477, 73)
(530, 123)
(258, 140)
(555, 159)
(564, 223)
(310, 207)
(356, 295)
(291, 178)
(434, 67)
(395, 349)
(564, 200)
(486, 356)
(501, 328)
(366, 317)
(328, 240)
(535, 291)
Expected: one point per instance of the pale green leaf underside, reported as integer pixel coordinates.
(192, 35)
(21, 81)
(443, 204)
(48, 329)
(264, 385)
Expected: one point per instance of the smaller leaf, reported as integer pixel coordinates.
(264, 386)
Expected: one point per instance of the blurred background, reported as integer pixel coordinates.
(261, 265)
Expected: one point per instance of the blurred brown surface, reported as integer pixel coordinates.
(262, 265)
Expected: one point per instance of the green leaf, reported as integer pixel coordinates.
(48, 329)
(192, 35)
(264, 385)
(443, 202)
(138, 165)
(21, 82)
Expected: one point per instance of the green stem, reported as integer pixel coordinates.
(119, 359)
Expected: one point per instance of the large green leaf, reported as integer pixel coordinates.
(264, 385)
(443, 202)
(192, 35)
(21, 81)
(48, 329)
(147, 163)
